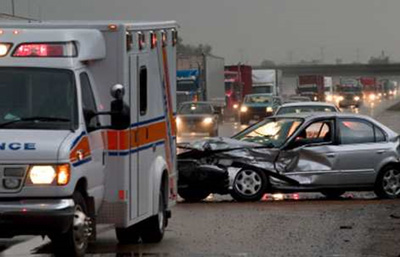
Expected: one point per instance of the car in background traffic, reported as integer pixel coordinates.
(258, 106)
(330, 153)
(198, 117)
(302, 107)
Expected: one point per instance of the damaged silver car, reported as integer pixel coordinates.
(329, 153)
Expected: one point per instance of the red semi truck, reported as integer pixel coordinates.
(238, 83)
(312, 86)
(371, 88)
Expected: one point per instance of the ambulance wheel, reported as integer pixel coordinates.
(152, 230)
(75, 241)
(128, 235)
(193, 195)
(249, 185)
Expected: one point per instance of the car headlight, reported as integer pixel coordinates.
(356, 98)
(208, 120)
(178, 121)
(269, 109)
(235, 106)
(48, 174)
(329, 98)
(372, 97)
(315, 98)
(244, 109)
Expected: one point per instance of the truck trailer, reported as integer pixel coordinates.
(72, 155)
(205, 74)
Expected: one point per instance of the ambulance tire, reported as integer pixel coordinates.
(152, 230)
(130, 235)
(71, 243)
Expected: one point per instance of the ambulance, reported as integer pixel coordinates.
(87, 130)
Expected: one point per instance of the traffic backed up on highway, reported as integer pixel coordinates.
(329, 153)
(302, 107)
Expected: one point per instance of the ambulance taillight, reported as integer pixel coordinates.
(67, 49)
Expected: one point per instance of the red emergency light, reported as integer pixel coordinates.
(153, 39)
(67, 49)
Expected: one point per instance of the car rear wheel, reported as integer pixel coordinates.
(193, 195)
(249, 185)
(333, 193)
(387, 185)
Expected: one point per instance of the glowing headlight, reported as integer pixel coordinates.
(44, 175)
(244, 109)
(372, 97)
(315, 98)
(47, 174)
(269, 109)
(356, 98)
(329, 98)
(4, 49)
(235, 106)
(340, 98)
(178, 121)
(208, 120)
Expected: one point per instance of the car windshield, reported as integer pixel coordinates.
(259, 99)
(37, 99)
(271, 132)
(301, 109)
(186, 85)
(196, 108)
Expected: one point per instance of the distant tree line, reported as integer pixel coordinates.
(188, 49)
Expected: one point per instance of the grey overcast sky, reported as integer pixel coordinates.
(252, 30)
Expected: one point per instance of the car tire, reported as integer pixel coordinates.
(387, 185)
(249, 185)
(75, 241)
(130, 235)
(153, 229)
(333, 193)
(193, 195)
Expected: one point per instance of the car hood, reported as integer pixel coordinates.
(258, 105)
(31, 145)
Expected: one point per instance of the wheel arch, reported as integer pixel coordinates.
(161, 180)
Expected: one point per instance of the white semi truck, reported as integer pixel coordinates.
(72, 155)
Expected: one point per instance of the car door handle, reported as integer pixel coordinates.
(330, 155)
(380, 151)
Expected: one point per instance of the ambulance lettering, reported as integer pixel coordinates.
(17, 146)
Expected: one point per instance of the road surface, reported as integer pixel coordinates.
(356, 225)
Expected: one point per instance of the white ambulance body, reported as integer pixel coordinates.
(71, 155)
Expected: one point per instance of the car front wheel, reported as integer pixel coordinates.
(249, 185)
(387, 185)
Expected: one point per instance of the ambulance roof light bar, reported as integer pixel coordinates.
(46, 49)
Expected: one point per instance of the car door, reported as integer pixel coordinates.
(362, 146)
(313, 158)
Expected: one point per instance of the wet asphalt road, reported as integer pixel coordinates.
(356, 225)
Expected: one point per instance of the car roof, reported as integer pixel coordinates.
(308, 104)
(261, 94)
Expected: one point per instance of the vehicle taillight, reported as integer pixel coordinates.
(4, 48)
(67, 49)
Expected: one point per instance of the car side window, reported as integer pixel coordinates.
(356, 131)
(317, 132)
(88, 102)
(379, 135)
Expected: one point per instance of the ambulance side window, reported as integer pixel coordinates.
(88, 102)
(143, 90)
